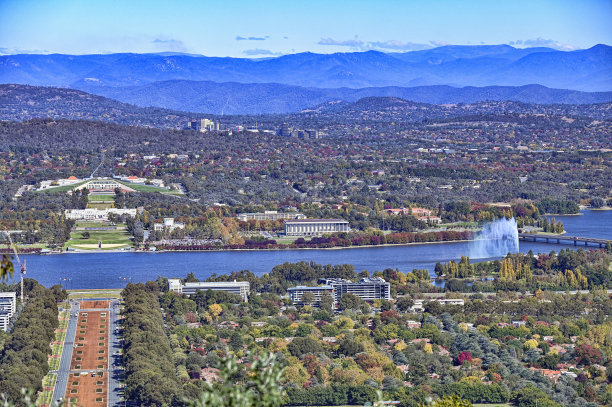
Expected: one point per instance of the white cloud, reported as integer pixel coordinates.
(259, 51)
(389, 45)
(241, 38)
(169, 44)
(542, 42)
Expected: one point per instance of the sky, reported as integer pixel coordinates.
(264, 28)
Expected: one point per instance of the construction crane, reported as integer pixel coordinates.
(22, 266)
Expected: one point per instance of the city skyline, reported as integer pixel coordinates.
(271, 28)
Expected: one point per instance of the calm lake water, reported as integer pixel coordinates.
(114, 270)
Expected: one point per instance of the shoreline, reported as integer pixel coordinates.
(253, 250)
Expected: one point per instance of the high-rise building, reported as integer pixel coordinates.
(8, 302)
(207, 125)
(296, 293)
(368, 289)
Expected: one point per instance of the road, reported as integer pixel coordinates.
(64, 368)
(115, 398)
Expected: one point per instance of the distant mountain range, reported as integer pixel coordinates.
(258, 98)
(458, 66)
(24, 102)
(449, 74)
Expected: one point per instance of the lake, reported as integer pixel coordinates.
(114, 270)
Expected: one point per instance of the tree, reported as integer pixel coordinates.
(404, 304)
(239, 385)
(439, 269)
(308, 298)
(301, 346)
(349, 301)
(6, 268)
(327, 302)
(214, 310)
(448, 401)
(85, 235)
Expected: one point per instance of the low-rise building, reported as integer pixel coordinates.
(315, 227)
(270, 215)
(241, 288)
(94, 214)
(168, 224)
(8, 303)
(419, 304)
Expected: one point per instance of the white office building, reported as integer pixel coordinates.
(8, 303)
(368, 289)
(94, 214)
(241, 288)
(315, 227)
(296, 293)
(169, 224)
(269, 215)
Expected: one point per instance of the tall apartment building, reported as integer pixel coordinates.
(368, 289)
(8, 303)
(241, 288)
(296, 293)
(315, 227)
(269, 215)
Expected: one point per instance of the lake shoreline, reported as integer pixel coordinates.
(254, 250)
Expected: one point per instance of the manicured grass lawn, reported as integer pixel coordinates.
(100, 198)
(76, 294)
(113, 237)
(287, 240)
(64, 188)
(148, 188)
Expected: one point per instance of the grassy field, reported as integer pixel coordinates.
(493, 405)
(101, 198)
(76, 294)
(117, 238)
(64, 188)
(288, 239)
(149, 188)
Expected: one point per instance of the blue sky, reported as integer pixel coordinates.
(262, 28)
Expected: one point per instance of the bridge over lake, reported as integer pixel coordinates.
(564, 239)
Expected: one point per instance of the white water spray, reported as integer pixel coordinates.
(497, 239)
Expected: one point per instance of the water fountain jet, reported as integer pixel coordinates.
(496, 239)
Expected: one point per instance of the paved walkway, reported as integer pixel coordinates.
(115, 370)
(115, 399)
(64, 368)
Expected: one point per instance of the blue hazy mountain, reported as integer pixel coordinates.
(459, 66)
(256, 98)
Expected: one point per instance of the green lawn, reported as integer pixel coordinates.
(76, 294)
(149, 188)
(100, 198)
(114, 237)
(64, 188)
(288, 239)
